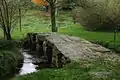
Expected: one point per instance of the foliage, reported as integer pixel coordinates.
(40, 2)
(66, 4)
(10, 59)
(98, 14)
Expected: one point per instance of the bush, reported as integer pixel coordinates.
(10, 59)
(7, 45)
(98, 14)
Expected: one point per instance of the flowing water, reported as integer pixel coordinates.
(28, 66)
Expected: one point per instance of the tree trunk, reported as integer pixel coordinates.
(8, 34)
(20, 19)
(4, 31)
(53, 18)
(115, 34)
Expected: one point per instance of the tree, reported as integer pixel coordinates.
(23, 5)
(52, 4)
(10, 15)
(6, 17)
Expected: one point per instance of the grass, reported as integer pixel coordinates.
(56, 74)
(76, 30)
(105, 39)
(83, 70)
(100, 69)
(36, 21)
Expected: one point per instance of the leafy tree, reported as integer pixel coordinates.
(52, 4)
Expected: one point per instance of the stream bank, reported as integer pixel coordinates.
(10, 59)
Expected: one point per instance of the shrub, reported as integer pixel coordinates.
(10, 59)
(98, 14)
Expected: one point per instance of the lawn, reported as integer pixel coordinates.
(36, 21)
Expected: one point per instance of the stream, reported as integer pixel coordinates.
(28, 66)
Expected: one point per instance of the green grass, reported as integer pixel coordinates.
(42, 24)
(82, 70)
(39, 22)
(57, 74)
(29, 24)
(76, 30)
(105, 39)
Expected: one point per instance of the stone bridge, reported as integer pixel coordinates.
(56, 50)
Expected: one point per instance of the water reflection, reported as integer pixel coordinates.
(28, 66)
